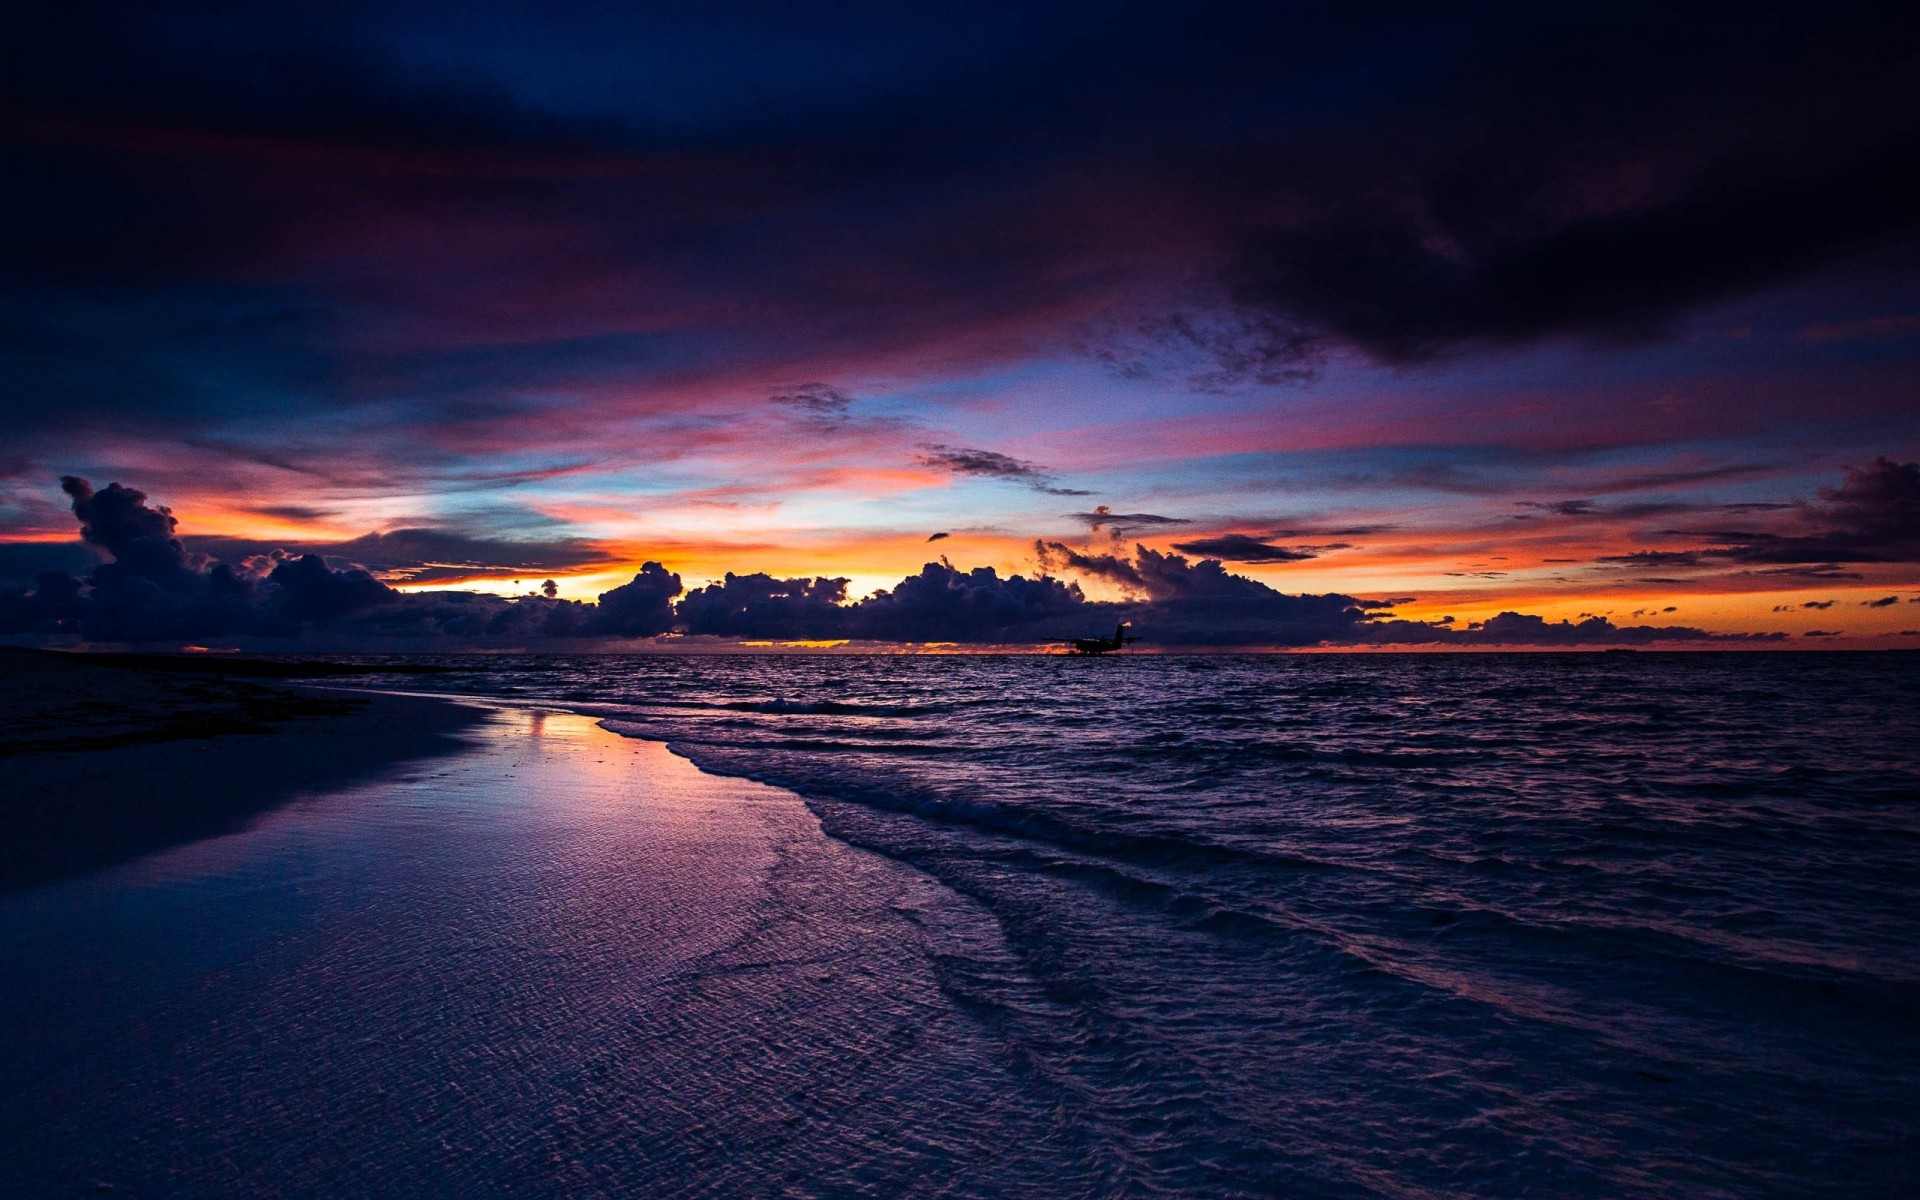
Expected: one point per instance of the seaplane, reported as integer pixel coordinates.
(1090, 647)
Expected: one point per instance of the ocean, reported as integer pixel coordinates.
(1301, 925)
(1398, 925)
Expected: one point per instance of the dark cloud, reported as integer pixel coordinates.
(427, 555)
(1208, 350)
(991, 464)
(760, 606)
(1476, 266)
(1201, 603)
(1825, 572)
(1871, 516)
(1103, 517)
(815, 399)
(238, 211)
(1639, 510)
(945, 604)
(21, 561)
(1822, 633)
(1883, 602)
(935, 537)
(1819, 604)
(1240, 547)
(293, 512)
(640, 608)
(304, 589)
(152, 588)
(1524, 629)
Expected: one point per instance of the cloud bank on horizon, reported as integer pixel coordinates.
(1511, 307)
(151, 588)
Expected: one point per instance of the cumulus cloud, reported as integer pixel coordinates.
(640, 608)
(760, 606)
(1201, 603)
(151, 588)
(944, 603)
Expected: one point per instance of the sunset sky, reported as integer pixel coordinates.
(1565, 311)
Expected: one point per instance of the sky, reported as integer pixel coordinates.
(1262, 325)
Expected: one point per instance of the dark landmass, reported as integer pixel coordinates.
(104, 758)
(237, 666)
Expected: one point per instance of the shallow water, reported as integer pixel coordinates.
(565, 964)
(1309, 925)
(1572, 925)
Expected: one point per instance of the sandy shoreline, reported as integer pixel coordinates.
(103, 764)
(557, 962)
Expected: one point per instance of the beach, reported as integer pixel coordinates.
(106, 763)
(552, 961)
(629, 925)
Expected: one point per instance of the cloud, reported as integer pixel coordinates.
(946, 604)
(293, 512)
(1212, 350)
(1189, 603)
(1240, 547)
(1871, 516)
(1638, 510)
(1473, 265)
(819, 406)
(991, 464)
(153, 589)
(21, 561)
(1830, 572)
(760, 606)
(1523, 629)
(428, 555)
(1103, 517)
(815, 399)
(935, 537)
(1882, 602)
(1871, 329)
(304, 589)
(292, 214)
(637, 609)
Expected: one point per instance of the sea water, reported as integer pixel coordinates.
(1406, 925)
(1313, 925)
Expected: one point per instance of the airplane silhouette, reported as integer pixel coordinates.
(1087, 647)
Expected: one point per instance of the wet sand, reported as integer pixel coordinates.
(103, 760)
(560, 962)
